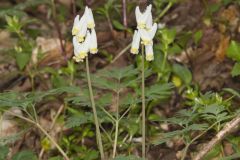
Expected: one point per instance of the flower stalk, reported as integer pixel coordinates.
(99, 138)
(143, 108)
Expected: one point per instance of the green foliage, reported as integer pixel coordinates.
(18, 10)
(236, 69)
(77, 120)
(23, 155)
(197, 36)
(183, 72)
(127, 158)
(233, 51)
(3, 152)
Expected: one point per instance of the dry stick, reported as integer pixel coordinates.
(74, 7)
(99, 138)
(121, 53)
(124, 12)
(51, 127)
(44, 131)
(63, 52)
(143, 108)
(228, 128)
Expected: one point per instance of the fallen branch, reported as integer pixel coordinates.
(228, 128)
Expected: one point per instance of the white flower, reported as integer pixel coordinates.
(75, 28)
(90, 19)
(149, 22)
(149, 52)
(82, 26)
(135, 43)
(142, 17)
(81, 49)
(93, 42)
(147, 36)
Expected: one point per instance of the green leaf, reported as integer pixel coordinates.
(78, 120)
(25, 155)
(159, 91)
(231, 157)
(232, 91)
(236, 70)
(233, 51)
(22, 60)
(168, 35)
(131, 157)
(183, 72)
(56, 158)
(118, 25)
(197, 36)
(3, 152)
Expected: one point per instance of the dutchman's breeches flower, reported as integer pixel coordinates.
(142, 17)
(85, 38)
(93, 42)
(149, 52)
(145, 33)
(135, 43)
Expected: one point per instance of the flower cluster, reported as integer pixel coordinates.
(84, 35)
(145, 32)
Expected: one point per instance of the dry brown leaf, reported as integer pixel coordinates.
(222, 48)
(51, 48)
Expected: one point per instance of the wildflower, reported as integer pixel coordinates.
(81, 49)
(142, 17)
(93, 42)
(149, 52)
(75, 29)
(135, 43)
(82, 28)
(90, 19)
(145, 32)
(84, 36)
(147, 36)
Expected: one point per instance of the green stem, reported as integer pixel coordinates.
(117, 125)
(143, 108)
(164, 61)
(99, 138)
(44, 131)
(194, 139)
(164, 11)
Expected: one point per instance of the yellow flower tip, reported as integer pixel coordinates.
(80, 38)
(93, 50)
(141, 25)
(176, 81)
(134, 51)
(77, 59)
(149, 57)
(75, 31)
(91, 25)
(82, 55)
(146, 42)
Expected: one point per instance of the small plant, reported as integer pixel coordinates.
(85, 41)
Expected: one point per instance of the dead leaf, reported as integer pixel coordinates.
(222, 48)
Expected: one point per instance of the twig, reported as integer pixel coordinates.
(51, 127)
(73, 7)
(121, 53)
(228, 128)
(124, 12)
(43, 130)
(63, 52)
